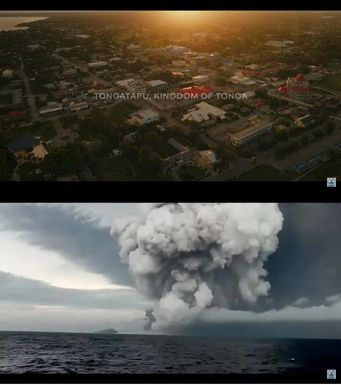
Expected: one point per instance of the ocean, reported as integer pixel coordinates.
(56, 353)
(11, 23)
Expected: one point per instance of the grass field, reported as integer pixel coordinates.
(265, 173)
(112, 169)
(333, 82)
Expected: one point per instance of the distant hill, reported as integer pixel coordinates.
(107, 331)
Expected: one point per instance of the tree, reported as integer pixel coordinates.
(153, 140)
(220, 81)
(7, 164)
(63, 160)
(148, 163)
(224, 154)
(129, 151)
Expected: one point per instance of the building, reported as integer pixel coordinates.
(256, 126)
(136, 86)
(279, 44)
(23, 146)
(8, 74)
(123, 83)
(240, 79)
(39, 151)
(196, 91)
(51, 108)
(97, 64)
(77, 106)
(157, 85)
(305, 121)
(200, 79)
(204, 112)
(178, 63)
(143, 117)
(297, 88)
(208, 156)
(70, 72)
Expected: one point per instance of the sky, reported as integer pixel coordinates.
(60, 270)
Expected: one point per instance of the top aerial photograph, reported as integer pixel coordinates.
(170, 96)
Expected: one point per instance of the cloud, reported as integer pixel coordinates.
(76, 237)
(23, 291)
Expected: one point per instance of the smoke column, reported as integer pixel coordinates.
(189, 257)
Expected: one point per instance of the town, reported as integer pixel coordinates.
(80, 97)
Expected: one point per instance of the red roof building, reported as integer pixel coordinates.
(196, 91)
(300, 78)
(283, 89)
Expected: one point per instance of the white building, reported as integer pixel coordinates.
(8, 74)
(243, 80)
(204, 112)
(200, 79)
(157, 85)
(256, 127)
(124, 83)
(77, 106)
(136, 86)
(97, 64)
(144, 117)
(51, 108)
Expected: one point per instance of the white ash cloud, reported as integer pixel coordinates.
(189, 257)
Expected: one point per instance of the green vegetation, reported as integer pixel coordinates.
(5, 99)
(158, 144)
(331, 81)
(109, 169)
(63, 160)
(188, 173)
(265, 173)
(45, 130)
(7, 164)
(121, 111)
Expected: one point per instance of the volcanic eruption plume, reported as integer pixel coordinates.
(188, 257)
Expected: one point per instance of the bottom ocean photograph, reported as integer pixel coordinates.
(174, 288)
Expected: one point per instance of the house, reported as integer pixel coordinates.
(204, 112)
(208, 156)
(7, 74)
(200, 79)
(157, 85)
(144, 117)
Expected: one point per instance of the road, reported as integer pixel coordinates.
(30, 96)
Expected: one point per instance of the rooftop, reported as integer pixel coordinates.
(24, 143)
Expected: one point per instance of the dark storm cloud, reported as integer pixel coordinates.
(307, 263)
(19, 290)
(74, 236)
